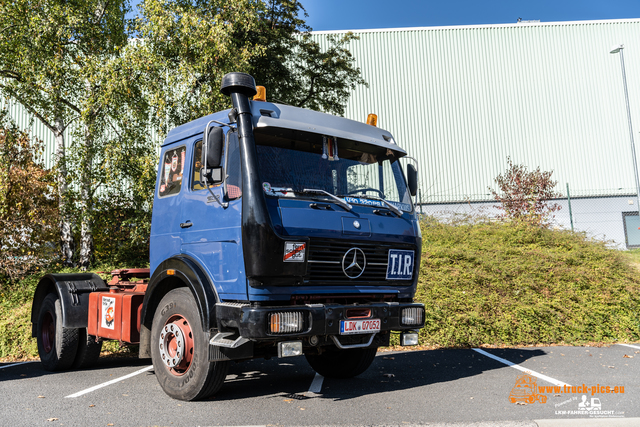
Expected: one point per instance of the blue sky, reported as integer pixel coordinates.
(361, 14)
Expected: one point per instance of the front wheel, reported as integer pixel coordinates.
(342, 363)
(180, 349)
(57, 345)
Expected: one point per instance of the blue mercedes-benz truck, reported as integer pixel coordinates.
(276, 232)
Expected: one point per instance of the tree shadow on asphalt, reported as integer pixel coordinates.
(390, 371)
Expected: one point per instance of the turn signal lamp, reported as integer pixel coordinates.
(372, 119)
(261, 95)
(285, 322)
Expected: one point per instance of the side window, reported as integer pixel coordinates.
(172, 171)
(233, 183)
(197, 165)
(231, 162)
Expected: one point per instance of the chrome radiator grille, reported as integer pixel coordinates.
(326, 262)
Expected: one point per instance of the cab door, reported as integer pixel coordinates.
(167, 205)
(210, 232)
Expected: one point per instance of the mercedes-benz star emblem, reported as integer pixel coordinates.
(354, 263)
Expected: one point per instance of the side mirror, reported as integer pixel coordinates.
(412, 178)
(212, 155)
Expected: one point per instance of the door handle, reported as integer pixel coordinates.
(186, 224)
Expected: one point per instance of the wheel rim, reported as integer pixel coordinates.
(48, 331)
(176, 345)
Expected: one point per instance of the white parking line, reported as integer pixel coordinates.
(316, 384)
(89, 390)
(523, 369)
(632, 346)
(16, 364)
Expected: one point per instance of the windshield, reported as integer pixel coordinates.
(359, 173)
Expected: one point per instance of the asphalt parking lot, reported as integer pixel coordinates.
(400, 388)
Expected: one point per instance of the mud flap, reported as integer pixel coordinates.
(73, 290)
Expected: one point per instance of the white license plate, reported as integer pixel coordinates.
(368, 326)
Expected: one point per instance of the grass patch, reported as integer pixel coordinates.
(495, 283)
(633, 256)
(15, 320)
(483, 283)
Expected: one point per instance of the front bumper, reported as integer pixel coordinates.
(252, 323)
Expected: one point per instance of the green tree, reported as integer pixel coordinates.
(70, 65)
(295, 69)
(188, 46)
(116, 154)
(117, 161)
(37, 70)
(46, 52)
(192, 44)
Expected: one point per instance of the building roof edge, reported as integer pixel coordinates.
(464, 27)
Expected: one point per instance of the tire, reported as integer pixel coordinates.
(88, 350)
(57, 345)
(342, 363)
(180, 349)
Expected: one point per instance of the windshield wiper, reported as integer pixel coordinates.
(392, 208)
(338, 200)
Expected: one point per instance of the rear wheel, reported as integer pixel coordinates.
(57, 345)
(342, 363)
(88, 350)
(180, 349)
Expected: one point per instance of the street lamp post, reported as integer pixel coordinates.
(620, 49)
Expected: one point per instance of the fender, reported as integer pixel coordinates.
(73, 291)
(187, 273)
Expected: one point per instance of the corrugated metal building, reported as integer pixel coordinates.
(461, 99)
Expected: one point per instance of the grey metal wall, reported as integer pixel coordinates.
(462, 99)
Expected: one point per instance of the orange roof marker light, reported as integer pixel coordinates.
(261, 95)
(372, 119)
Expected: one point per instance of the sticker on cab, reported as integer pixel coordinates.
(400, 264)
(294, 251)
(108, 312)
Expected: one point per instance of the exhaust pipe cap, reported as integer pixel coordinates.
(238, 82)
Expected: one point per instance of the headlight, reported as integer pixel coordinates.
(409, 338)
(412, 316)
